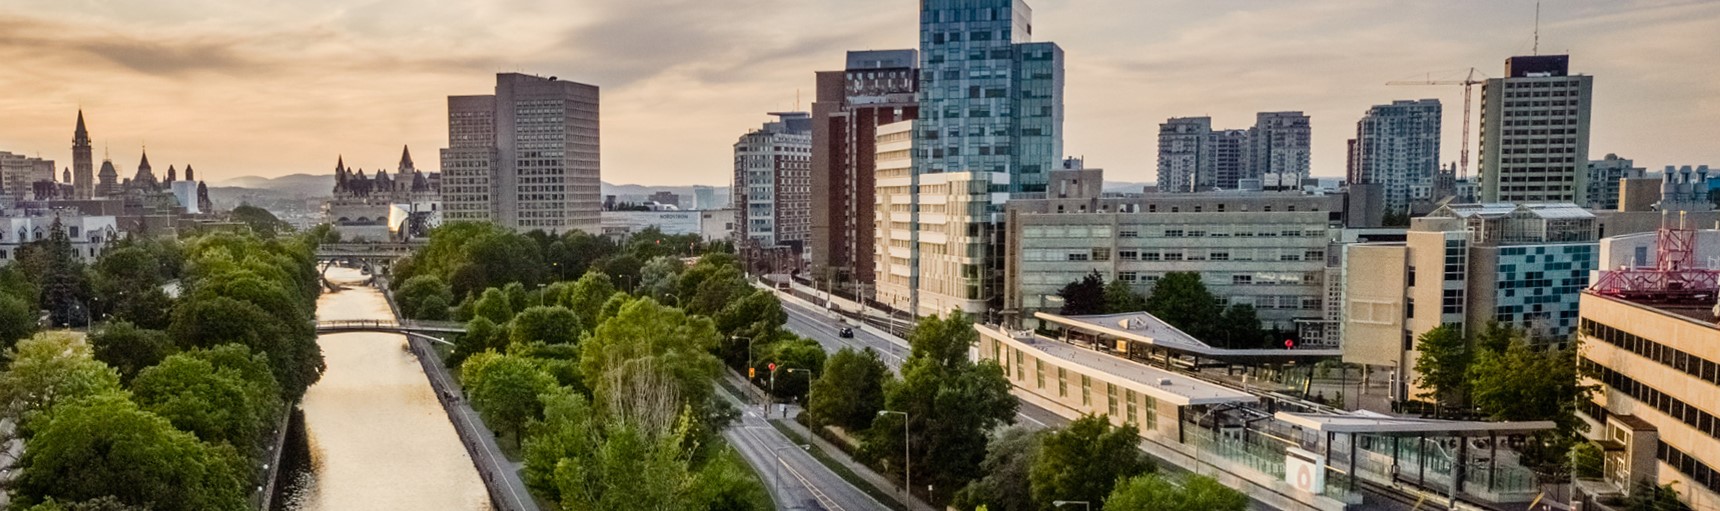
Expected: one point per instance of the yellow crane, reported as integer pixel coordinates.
(1468, 84)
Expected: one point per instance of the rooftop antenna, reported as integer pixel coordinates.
(1537, 49)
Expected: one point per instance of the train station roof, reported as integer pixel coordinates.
(1368, 423)
(1147, 329)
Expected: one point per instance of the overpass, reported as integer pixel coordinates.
(366, 251)
(425, 329)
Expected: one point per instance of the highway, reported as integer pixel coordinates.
(796, 480)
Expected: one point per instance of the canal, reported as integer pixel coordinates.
(373, 435)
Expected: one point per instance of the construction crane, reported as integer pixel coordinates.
(1468, 93)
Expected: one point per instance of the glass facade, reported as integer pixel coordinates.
(989, 100)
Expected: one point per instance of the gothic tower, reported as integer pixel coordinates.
(83, 182)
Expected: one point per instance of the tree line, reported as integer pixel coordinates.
(169, 401)
(1178, 298)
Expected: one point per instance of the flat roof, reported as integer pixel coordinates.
(1376, 424)
(1168, 386)
(1148, 329)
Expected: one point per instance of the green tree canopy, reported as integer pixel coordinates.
(850, 391)
(128, 348)
(1181, 299)
(106, 446)
(552, 325)
(1120, 298)
(1085, 460)
(804, 356)
(495, 306)
(505, 390)
(1007, 485)
(1442, 370)
(645, 329)
(17, 319)
(49, 369)
(1152, 492)
(419, 289)
(587, 295)
(218, 404)
(1085, 296)
(263, 223)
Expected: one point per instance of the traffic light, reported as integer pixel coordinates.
(1289, 344)
(752, 372)
(773, 367)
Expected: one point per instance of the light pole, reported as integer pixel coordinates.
(677, 299)
(907, 468)
(810, 375)
(1060, 503)
(540, 294)
(749, 353)
(777, 480)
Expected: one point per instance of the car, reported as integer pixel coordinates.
(845, 333)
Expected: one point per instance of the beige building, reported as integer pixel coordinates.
(937, 233)
(527, 157)
(895, 258)
(1655, 356)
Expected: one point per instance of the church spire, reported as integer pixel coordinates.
(405, 159)
(81, 137)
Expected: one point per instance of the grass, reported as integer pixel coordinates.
(888, 498)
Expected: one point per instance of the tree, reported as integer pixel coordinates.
(659, 278)
(1241, 327)
(206, 323)
(1181, 299)
(624, 268)
(1152, 492)
(495, 306)
(722, 287)
(129, 349)
(613, 306)
(551, 325)
(55, 265)
(951, 404)
(17, 319)
(419, 289)
(1085, 296)
(434, 308)
(1526, 383)
(587, 295)
(106, 446)
(1007, 486)
(1084, 460)
(481, 334)
(1646, 496)
(49, 369)
(758, 317)
(505, 389)
(645, 329)
(218, 404)
(1120, 298)
(850, 391)
(262, 223)
(805, 356)
(1443, 367)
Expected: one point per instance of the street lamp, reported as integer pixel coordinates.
(907, 468)
(810, 375)
(677, 299)
(1060, 503)
(777, 452)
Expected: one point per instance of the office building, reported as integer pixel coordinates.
(1397, 147)
(772, 183)
(938, 248)
(990, 100)
(1535, 132)
(1185, 155)
(19, 173)
(875, 88)
(1603, 184)
(1465, 265)
(1279, 144)
(1651, 346)
(895, 257)
(527, 157)
(1264, 249)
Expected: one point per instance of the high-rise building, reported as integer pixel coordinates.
(83, 166)
(772, 186)
(1279, 144)
(1397, 147)
(1535, 132)
(1185, 154)
(1227, 149)
(19, 173)
(990, 101)
(876, 88)
(705, 198)
(895, 270)
(526, 157)
(1604, 176)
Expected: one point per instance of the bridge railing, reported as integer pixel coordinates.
(363, 324)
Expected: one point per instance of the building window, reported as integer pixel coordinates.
(1129, 233)
(1018, 369)
(1111, 399)
(1128, 255)
(1062, 383)
(1086, 391)
(1150, 412)
(1101, 254)
(1129, 406)
(1128, 276)
(1038, 373)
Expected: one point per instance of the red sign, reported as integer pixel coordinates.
(773, 367)
(1289, 344)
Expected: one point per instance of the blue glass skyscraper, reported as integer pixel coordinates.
(990, 100)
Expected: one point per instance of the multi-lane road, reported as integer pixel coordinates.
(796, 480)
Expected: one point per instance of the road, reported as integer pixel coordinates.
(796, 480)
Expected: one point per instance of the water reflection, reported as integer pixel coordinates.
(374, 434)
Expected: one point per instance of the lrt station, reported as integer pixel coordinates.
(1283, 451)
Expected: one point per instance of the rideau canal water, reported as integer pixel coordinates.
(372, 435)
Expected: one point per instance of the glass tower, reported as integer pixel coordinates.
(990, 101)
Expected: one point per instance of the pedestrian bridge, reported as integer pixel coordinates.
(330, 251)
(393, 327)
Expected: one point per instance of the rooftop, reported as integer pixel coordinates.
(1167, 386)
(1148, 329)
(1376, 424)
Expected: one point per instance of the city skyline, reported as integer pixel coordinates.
(240, 92)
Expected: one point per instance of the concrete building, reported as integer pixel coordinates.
(717, 224)
(674, 223)
(89, 234)
(1465, 265)
(1193, 157)
(1535, 132)
(1279, 143)
(1265, 249)
(772, 182)
(1604, 180)
(896, 258)
(874, 89)
(1397, 147)
(1653, 349)
(527, 157)
(990, 100)
(19, 173)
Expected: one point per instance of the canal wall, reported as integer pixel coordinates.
(272, 470)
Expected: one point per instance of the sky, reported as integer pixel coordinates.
(274, 87)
